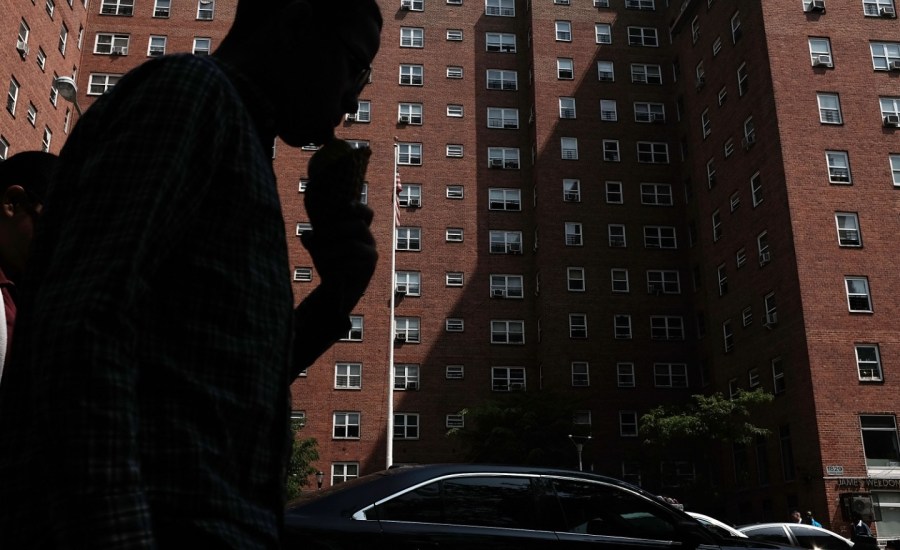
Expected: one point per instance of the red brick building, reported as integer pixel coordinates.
(625, 201)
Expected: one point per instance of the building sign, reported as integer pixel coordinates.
(834, 470)
(868, 483)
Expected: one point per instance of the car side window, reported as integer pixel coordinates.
(600, 509)
(810, 538)
(487, 501)
(772, 534)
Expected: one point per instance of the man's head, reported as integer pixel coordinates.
(24, 181)
(796, 517)
(310, 57)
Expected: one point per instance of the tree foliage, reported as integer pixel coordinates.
(709, 418)
(303, 453)
(519, 428)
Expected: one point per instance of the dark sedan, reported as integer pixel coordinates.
(476, 507)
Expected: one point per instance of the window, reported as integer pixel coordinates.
(868, 363)
(608, 110)
(406, 329)
(879, 8)
(736, 31)
(614, 193)
(879, 434)
(206, 9)
(567, 107)
(838, 167)
(749, 133)
(848, 229)
(770, 317)
(722, 277)
(46, 137)
(408, 283)
(363, 112)
(640, 5)
(406, 426)
(603, 33)
(454, 72)
(628, 424)
(102, 83)
(571, 190)
(569, 146)
(723, 95)
(454, 235)
(611, 150)
(622, 327)
(653, 152)
(409, 113)
(507, 332)
(829, 109)
(666, 327)
(705, 123)
(575, 281)
(453, 278)
(455, 192)
(12, 96)
(454, 325)
(346, 425)
(414, 5)
(455, 420)
(356, 330)
(663, 281)
(63, 38)
(716, 226)
(31, 115)
(616, 235)
(500, 42)
(820, 52)
(161, 8)
(507, 286)
(642, 36)
(742, 79)
(506, 242)
(156, 46)
(41, 58)
(762, 245)
(573, 234)
(895, 170)
(565, 68)
(756, 189)
(22, 38)
(502, 118)
(695, 30)
(740, 257)
(605, 71)
(347, 376)
(884, 55)
(410, 196)
(409, 154)
(778, 376)
(670, 375)
(454, 372)
(727, 336)
(117, 7)
(506, 158)
(344, 471)
(656, 194)
(619, 279)
(890, 110)
(454, 35)
(409, 238)
(580, 374)
(858, 299)
(502, 80)
(563, 31)
(646, 74)
(302, 274)
(411, 75)
(649, 112)
(502, 8)
(455, 111)
(504, 199)
(747, 316)
(412, 37)
(657, 236)
(202, 46)
(577, 325)
(625, 375)
(507, 378)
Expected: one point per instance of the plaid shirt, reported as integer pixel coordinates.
(147, 402)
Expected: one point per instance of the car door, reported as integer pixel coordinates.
(466, 512)
(808, 537)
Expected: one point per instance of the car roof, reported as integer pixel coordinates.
(787, 523)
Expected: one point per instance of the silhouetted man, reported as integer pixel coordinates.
(147, 401)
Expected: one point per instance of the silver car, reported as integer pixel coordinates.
(797, 534)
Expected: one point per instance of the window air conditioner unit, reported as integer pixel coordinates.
(400, 338)
(770, 320)
(401, 289)
(513, 248)
(498, 293)
(412, 385)
(404, 119)
(816, 6)
(822, 61)
(862, 505)
(351, 117)
(516, 386)
(892, 121)
(22, 47)
(887, 11)
(570, 197)
(496, 163)
(894, 66)
(118, 50)
(405, 4)
(765, 257)
(414, 202)
(617, 242)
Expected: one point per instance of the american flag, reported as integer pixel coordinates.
(398, 188)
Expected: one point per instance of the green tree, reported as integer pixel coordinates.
(303, 454)
(519, 428)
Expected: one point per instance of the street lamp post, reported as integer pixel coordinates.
(579, 447)
(65, 86)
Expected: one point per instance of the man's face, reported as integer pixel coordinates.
(332, 71)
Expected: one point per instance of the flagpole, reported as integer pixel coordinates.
(391, 332)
